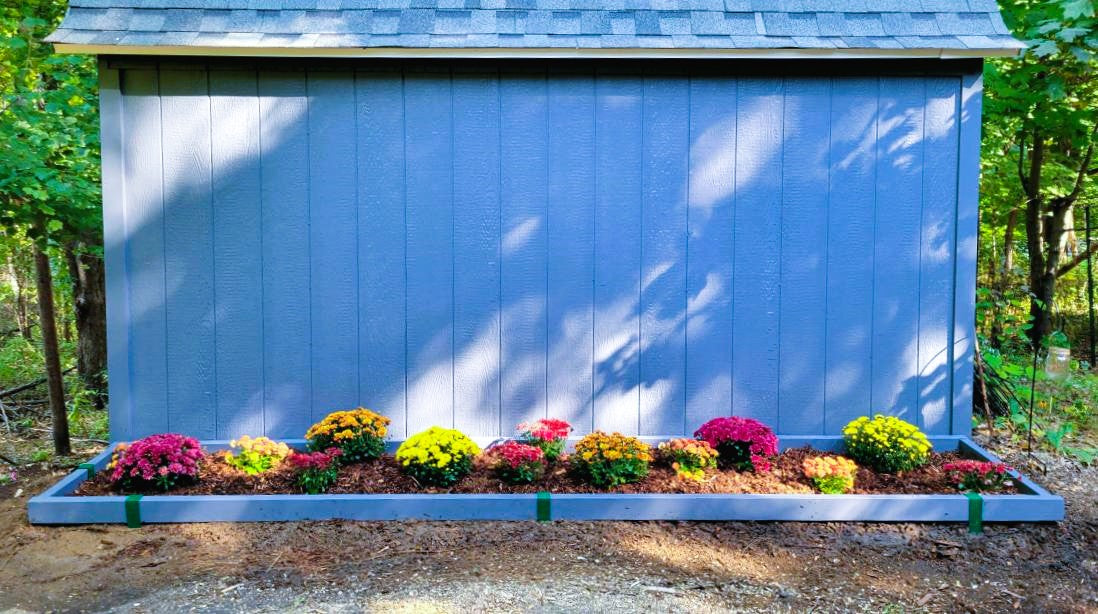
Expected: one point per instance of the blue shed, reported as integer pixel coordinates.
(631, 214)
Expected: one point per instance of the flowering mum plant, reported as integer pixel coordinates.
(316, 471)
(359, 433)
(611, 460)
(159, 462)
(254, 456)
(548, 434)
(437, 456)
(688, 457)
(743, 443)
(886, 443)
(833, 475)
(979, 476)
(516, 463)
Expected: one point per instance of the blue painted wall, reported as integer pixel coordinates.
(476, 246)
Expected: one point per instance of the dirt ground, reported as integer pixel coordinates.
(565, 567)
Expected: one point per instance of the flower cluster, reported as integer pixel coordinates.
(359, 433)
(254, 456)
(833, 475)
(886, 443)
(161, 461)
(611, 460)
(316, 471)
(437, 456)
(743, 443)
(688, 457)
(516, 463)
(979, 476)
(548, 434)
(9, 477)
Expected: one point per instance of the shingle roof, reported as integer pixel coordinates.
(960, 27)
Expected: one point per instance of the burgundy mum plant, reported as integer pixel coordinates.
(743, 444)
(157, 462)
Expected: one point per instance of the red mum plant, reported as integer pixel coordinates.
(157, 462)
(979, 476)
(316, 471)
(516, 463)
(742, 443)
(548, 434)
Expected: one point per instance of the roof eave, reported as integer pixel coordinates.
(535, 53)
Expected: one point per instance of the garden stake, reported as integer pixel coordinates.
(133, 511)
(90, 468)
(975, 513)
(543, 512)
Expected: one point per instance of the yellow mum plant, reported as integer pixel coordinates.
(833, 475)
(437, 456)
(358, 433)
(886, 443)
(254, 456)
(608, 460)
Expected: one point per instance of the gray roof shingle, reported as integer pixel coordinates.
(960, 25)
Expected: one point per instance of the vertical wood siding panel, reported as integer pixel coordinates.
(142, 156)
(524, 155)
(285, 197)
(896, 278)
(238, 265)
(476, 253)
(850, 251)
(709, 254)
(430, 251)
(804, 255)
(112, 118)
(188, 253)
(757, 284)
(381, 290)
(967, 221)
(571, 247)
(618, 117)
(663, 248)
(936, 258)
(333, 237)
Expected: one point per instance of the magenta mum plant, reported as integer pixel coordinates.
(516, 463)
(157, 462)
(316, 471)
(743, 444)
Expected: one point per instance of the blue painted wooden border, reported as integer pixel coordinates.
(54, 506)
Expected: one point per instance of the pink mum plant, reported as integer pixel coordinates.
(548, 434)
(979, 476)
(160, 462)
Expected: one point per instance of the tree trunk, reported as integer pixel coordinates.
(18, 288)
(47, 322)
(90, 307)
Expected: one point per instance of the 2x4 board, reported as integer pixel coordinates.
(57, 505)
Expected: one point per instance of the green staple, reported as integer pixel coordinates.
(133, 511)
(543, 510)
(90, 468)
(975, 513)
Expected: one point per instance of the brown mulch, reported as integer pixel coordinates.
(384, 477)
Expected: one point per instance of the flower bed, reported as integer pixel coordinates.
(385, 477)
(441, 473)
